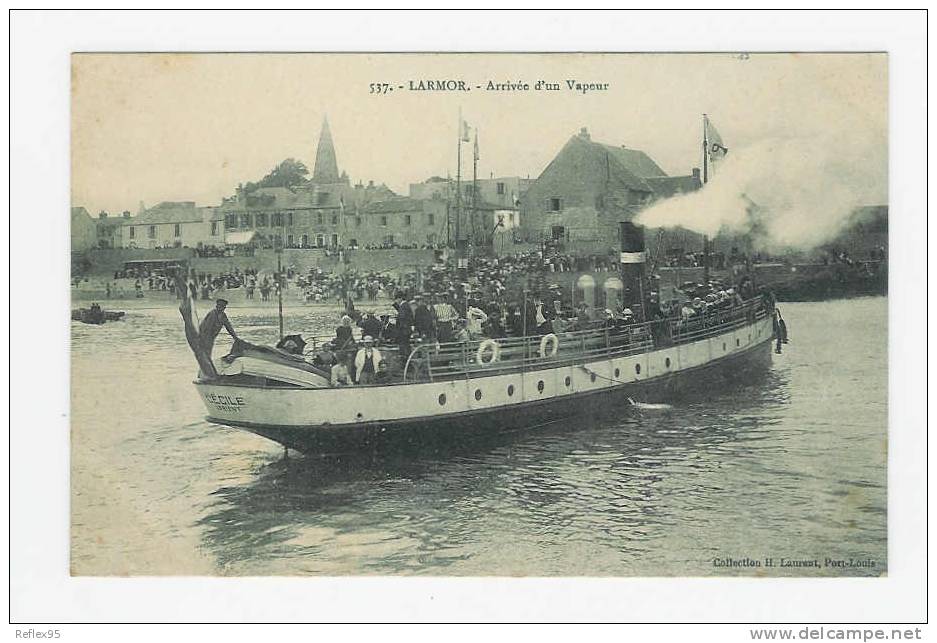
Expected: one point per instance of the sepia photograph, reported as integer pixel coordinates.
(421, 317)
(479, 314)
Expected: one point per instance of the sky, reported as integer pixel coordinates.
(174, 127)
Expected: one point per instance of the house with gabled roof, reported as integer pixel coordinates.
(173, 224)
(589, 187)
(82, 230)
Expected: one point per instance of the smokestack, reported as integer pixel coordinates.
(633, 258)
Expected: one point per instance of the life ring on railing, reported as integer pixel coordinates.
(554, 343)
(489, 345)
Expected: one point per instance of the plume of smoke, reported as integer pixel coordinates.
(794, 193)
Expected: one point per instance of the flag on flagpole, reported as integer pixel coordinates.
(466, 137)
(717, 149)
(476, 144)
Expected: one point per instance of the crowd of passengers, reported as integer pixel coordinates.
(370, 348)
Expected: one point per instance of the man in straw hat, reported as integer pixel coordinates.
(367, 362)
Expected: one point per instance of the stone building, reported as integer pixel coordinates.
(84, 234)
(327, 211)
(110, 229)
(402, 222)
(503, 191)
(589, 187)
(173, 224)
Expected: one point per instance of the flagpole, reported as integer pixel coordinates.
(448, 209)
(705, 180)
(474, 186)
(458, 182)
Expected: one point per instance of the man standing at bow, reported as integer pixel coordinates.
(214, 321)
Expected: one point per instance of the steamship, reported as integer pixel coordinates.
(452, 390)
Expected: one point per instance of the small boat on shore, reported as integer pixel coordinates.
(96, 315)
(447, 390)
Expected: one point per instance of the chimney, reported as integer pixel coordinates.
(126, 214)
(633, 257)
(584, 133)
(696, 176)
(102, 214)
(370, 184)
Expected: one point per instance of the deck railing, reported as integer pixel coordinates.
(451, 360)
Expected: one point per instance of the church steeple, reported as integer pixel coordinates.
(326, 169)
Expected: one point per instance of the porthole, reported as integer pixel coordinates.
(592, 377)
(617, 372)
(667, 362)
(637, 369)
(478, 394)
(359, 416)
(540, 386)
(442, 399)
(569, 380)
(510, 390)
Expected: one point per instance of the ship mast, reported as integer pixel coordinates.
(474, 188)
(705, 181)
(458, 181)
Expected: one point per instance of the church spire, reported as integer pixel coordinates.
(326, 169)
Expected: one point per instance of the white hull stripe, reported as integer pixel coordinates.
(350, 406)
(632, 257)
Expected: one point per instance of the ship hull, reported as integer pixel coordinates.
(352, 419)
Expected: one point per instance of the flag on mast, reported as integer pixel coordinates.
(466, 136)
(716, 149)
(476, 144)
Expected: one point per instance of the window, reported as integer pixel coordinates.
(555, 204)
(320, 240)
(177, 230)
(305, 241)
(289, 219)
(468, 189)
(289, 241)
(276, 219)
(319, 219)
(334, 240)
(500, 188)
(214, 228)
(357, 222)
(511, 217)
(430, 219)
(384, 220)
(389, 239)
(245, 220)
(407, 219)
(334, 219)
(151, 232)
(132, 232)
(261, 220)
(323, 198)
(231, 220)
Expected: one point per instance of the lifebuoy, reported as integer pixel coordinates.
(486, 346)
(554, 342)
